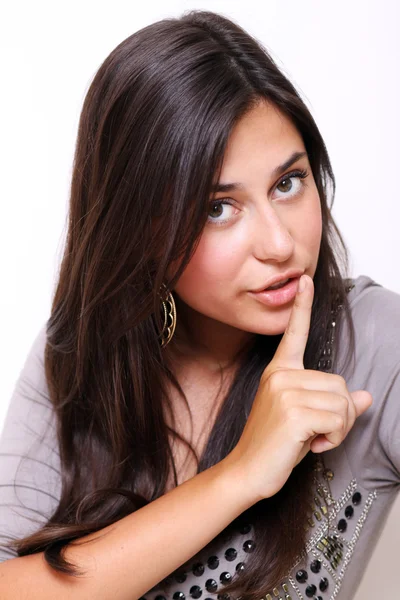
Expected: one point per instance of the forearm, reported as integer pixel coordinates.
(139, 550)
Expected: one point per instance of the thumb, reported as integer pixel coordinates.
(362, 400)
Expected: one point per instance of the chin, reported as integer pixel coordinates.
(266, 330)
(272, 331)
(273, 325)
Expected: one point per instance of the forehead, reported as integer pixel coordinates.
(265, 136)
(266, 126)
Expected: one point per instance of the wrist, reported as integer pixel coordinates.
(235, 478)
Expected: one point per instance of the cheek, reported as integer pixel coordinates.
(211, 270)
(316, 226)
(308, 227)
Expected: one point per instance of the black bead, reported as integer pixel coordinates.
(160, 598)
(249, 546)
(245, 529)
(180, 577)
(198, 569)
(315, 566)
(323, 584)
(302, 576)
(342, 525)
(195, 591)
(179, 596)
(213, 562)
(230, 554)
(349, 511)
(310, 590)
(240, 567)
(225, 577)
(356, 498)
(211, 586)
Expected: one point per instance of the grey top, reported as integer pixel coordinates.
(363, 472)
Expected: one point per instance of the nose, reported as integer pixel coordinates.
(271, 237)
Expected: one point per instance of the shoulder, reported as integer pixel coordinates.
(34, 363)
(32, 373)
(375, 311)
(29, 404)
(370, 295)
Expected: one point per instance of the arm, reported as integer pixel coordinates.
(138, 551)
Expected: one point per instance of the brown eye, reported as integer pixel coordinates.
(218, 209)
(286, 181)
(289, 189)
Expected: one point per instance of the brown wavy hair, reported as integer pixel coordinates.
(152, 134)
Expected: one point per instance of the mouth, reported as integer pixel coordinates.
(279, 281)
(280, 293)
(279, 285)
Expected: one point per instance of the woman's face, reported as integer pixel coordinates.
(271, 224)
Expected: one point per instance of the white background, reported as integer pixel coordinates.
(343, 57)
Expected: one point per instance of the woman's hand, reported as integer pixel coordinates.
(294, 410)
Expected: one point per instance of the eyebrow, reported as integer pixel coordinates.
(231, 187)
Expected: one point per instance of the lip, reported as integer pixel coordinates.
(278, 297)
(293, 273)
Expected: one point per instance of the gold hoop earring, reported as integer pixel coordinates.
(169, 310)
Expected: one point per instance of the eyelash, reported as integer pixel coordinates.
(298, 174)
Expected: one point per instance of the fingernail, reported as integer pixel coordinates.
(302, 284)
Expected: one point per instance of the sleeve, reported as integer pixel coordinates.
(30, 480)
(387, 365)
(389, 431)
(377, 319)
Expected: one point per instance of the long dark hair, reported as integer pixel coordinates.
(152, 134)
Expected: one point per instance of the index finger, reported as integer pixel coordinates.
(290, 352)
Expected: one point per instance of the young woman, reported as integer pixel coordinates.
(183, 426)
